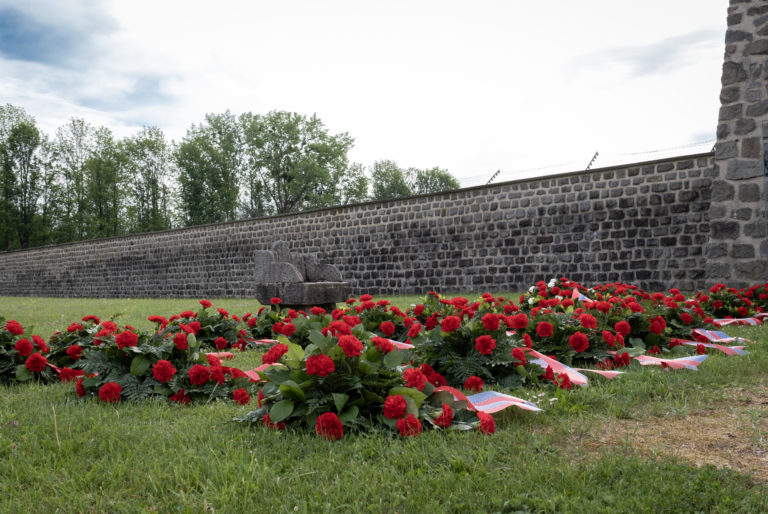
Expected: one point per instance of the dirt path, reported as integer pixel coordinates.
(733, 434)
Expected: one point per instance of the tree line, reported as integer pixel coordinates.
(84, 183)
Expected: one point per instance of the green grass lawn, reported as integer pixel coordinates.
(58, 453)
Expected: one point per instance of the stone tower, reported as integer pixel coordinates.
(738, 245)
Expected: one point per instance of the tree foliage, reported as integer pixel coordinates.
(391, 181)
(299, 165)
(84, 183)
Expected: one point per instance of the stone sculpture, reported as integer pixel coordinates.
(300, 281)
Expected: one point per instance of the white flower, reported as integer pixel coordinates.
(530, 301)
(552, 283)
(532, 289)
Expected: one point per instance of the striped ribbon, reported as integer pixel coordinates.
(490, 401)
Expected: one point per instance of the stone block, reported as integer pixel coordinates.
(742, 251)
(743, 127)
(751, 148)
(726, 150)
(730, 112)
(757, 109)
(717, 250)
(749, 193)
(722, 191)
(741, 169)
(758, 47)
(733, 73)
(724, 229)
(737, 36)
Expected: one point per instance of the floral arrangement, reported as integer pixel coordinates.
(726, 302)
(131, 366)
(22, 359)
(347, 379)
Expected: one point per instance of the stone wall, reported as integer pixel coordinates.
(738, 251)
(686, 222)
(645, 223)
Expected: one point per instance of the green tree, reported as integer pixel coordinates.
(388, 180)
(433, 180)
(104, 186)
(209, 161)
(391, 181)
(148, 160)
(293, 162)
(22, 179)
(72, 148)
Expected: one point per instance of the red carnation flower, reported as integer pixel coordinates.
(339, 328)
(686, 318)
(351, 345)
(181, 397)
(199, 375)
(220, 343)
(609, 338)
(701, 349)
(623, 328)
(317, 311)
(544, 329)
(549, 374)
(621, 360)
(274, 354)
(657, 325)
(433, 377)
(450, 324)
(487, 425)
(387, 328)
(92, 318)
(125, 339)
(157, 319)
(79, 389)
(588, 321)
(74, 327)
(180, 340)
(519, 321)
(519, 354)
(14, 327)
(579, 342)
(40, 343)
(274, 426)
(110, 392)
(414, 330)
(241, 396)
(275, 301)
(445, 419)
(329, 426)
(563, 381)
(384, 345)
(414, 378)
(394, 407)
(205, 303)
(409, 426)
(36, 363)
(223, 313)
(163, 371)
(485, 344)
(473, 383)
(74, 352)
(320, 365)
(288, 329)
(351, 320)
(490, 322)
(23, 347)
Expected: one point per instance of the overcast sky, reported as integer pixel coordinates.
(468, 86)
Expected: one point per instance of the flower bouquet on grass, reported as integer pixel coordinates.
(22, 359)
(345, 380)
(214, 329)
(758, 295)
(725, 302)
(161, 365)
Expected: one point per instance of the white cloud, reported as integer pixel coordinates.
(469, 87)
